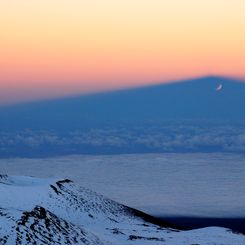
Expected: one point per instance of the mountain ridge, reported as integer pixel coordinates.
(195, 99)
(45, 211)
(119, 90)
(188, 116)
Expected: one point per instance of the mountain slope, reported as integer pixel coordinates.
(38, 211)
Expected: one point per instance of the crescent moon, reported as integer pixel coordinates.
(219, 88)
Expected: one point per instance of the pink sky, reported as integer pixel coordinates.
(56, 48)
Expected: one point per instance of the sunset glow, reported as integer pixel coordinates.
(53, 48)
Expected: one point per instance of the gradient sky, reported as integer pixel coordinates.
(56, 47)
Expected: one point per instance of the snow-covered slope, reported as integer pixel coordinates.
(41, 211)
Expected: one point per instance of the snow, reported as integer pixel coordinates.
(202, 185)
(51, 211)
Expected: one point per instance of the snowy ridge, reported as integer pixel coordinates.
(43, 211)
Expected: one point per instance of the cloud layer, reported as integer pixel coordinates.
(133, 139)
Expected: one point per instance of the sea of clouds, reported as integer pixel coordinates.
(123, 139)
(167, 184)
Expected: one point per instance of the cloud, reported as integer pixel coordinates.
(160, 138)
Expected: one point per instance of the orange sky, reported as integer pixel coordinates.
(56, 47)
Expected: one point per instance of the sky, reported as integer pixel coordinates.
(51, 48)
